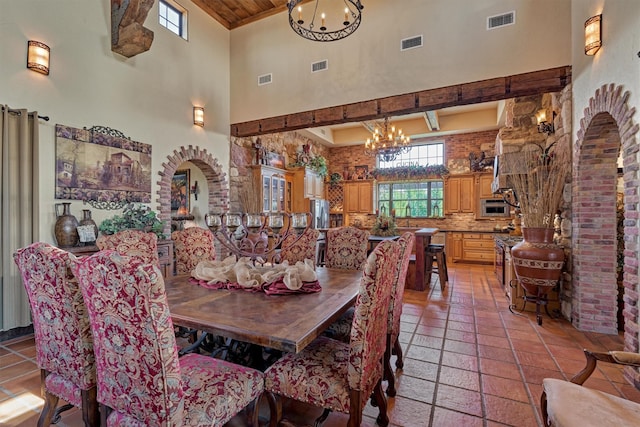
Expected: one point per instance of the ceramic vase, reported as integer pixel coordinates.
(65, 229)
(538, 262)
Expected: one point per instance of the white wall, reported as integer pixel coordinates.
(368, 64)
(148, 97)
(617, 60)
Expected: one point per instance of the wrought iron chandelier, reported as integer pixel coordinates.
(307, 29)
(387, 142)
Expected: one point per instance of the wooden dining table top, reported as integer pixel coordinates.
(283, 322)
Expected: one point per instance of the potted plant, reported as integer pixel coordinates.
(134, 216)
(538, 179)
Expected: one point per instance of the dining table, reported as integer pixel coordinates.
(423, 240)
(282, 322)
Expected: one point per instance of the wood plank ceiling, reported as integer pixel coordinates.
(235, 13)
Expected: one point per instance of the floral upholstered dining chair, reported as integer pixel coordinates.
(341, 376)
(141, 380)
(64, 345)
(135, 243)
(192, 245)
(341, 328)
(305, 248)
(346, 248)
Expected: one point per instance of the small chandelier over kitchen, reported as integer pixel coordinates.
(307, 28)
(387, 142)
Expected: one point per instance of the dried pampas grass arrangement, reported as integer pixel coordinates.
(538, 178)
(249, 200)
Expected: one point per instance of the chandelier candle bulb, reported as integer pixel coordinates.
(300, 21)
(346, 16)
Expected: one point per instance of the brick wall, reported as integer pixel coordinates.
(606, 130)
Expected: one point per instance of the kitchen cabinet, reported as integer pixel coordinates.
(454, 246)
(275, 188)
(307, 185)
(358, 196)
(484, 186)
(459, 194)
(470, 247)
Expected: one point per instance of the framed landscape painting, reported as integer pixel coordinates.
(180, 191)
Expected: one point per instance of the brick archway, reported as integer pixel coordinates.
(216, 180)
(606, 128)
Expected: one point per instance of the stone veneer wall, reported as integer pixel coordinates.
(243, 154)
(521, 130)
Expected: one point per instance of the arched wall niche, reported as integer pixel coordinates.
(218, 186)
(606, 130)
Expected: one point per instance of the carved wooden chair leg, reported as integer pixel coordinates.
(382, 419)
(275, 408)
(322, 418)
(355, 407)
(49, 410)
(388, 372)
(90, 410)
(397, 350)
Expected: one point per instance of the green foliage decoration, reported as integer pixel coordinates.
(410, 172)
(317, 163)
(134, 216)
(384, 226)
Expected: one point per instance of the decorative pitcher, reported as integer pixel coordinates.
(65, 230)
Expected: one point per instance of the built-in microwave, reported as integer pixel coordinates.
(492, 208)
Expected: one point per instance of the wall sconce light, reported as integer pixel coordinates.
(198, 116)
(592, 35)
(543, 125)
(195, 190)
(38, 57)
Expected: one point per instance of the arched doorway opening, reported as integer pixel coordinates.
(606, 130)
(218, 188)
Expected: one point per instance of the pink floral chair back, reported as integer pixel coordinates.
(191, 246)
(346, 248)
(140, 378)
(304, 248)
(64, 345)
(406, 242)
(368, 343)
(136, 243)
(341, 376)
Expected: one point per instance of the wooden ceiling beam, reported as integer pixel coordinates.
(536, 82)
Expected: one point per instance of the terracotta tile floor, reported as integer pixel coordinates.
(468, 362)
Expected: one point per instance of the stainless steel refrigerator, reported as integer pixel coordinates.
(319, 213)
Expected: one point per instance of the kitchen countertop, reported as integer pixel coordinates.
(508, 239)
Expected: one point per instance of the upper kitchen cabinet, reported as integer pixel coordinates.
(484, 186)
(275, 188)
(459, 194)
(358, 196)
(307, 185)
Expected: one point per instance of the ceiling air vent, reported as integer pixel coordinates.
(502, 20)
(410, 43)
(319, 66)
(265, 79)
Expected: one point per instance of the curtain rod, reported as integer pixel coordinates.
(18, 112)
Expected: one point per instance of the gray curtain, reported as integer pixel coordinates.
(18, 208)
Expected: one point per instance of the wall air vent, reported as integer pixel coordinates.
(410, 43)
(265, 79)
(502, 20)
(319, 66)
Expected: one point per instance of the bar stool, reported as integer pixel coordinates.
(435, 253)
